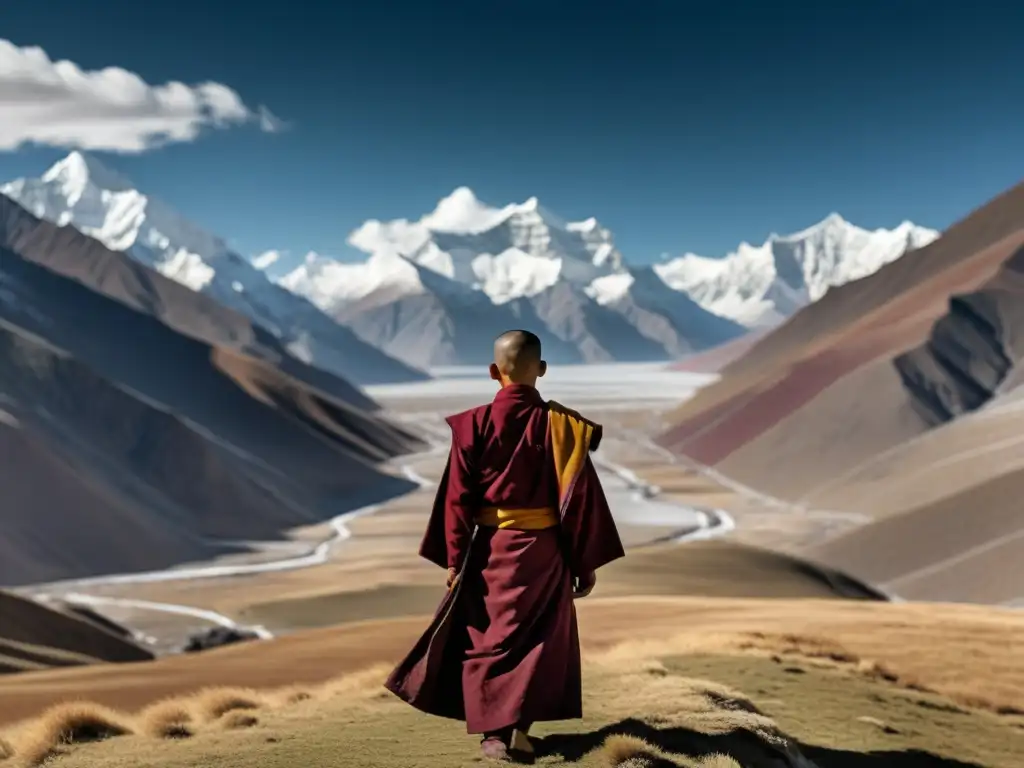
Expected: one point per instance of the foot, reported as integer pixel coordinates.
(494, 749)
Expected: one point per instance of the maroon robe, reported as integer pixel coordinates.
(503, 648)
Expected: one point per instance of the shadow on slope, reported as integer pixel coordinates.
(98, 480)
(745, 747)
(971, 350)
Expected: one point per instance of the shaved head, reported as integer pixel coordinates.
(517, 357)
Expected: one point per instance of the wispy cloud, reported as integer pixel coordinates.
(270, 122)
(57, 103)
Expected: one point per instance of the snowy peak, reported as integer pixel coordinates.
(330, 284)
(462, 212)
(81, 192)
(78, 171)
(509, 252)
(761, 285)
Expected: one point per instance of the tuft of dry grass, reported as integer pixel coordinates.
(237, 719)
(621, 751)
(291, 695)
(167, 719)
(178, 717)
(212, 703)
(719, 761)
(65, 724)
(363, 684)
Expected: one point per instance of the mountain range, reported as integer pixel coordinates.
(437, 290)
(81, 192)
(433, 291)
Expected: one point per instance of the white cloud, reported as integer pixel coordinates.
(267, 259)
(56, 103)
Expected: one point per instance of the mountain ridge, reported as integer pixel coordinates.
(522, 253)
(433, 290)
(80, 191)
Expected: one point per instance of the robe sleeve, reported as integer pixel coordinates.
(460, 503)
(591, 537)
(450, 528)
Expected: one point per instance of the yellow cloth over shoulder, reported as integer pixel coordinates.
(571, 439)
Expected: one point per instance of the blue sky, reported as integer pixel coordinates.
(679, 125)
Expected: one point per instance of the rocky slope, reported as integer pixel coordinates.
(134, 442)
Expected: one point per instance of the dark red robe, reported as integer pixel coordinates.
(503, 648)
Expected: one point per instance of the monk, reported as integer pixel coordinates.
(521, 524)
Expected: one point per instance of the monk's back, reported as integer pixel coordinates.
(521, 523)
(513, 453)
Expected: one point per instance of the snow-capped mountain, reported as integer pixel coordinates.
(410, 311)
(762, 285)
(438, 290)
(518, 250)
(81, 192)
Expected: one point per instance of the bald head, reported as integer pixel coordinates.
(517, 358)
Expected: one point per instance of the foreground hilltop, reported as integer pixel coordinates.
(669, 682)
(142, 422)
(894, 396)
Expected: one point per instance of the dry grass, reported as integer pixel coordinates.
(292, 694)
(719, 761)
(665, 699)
(642, 711)
(167, 719)
(811, 656)
(213, 703)
(621, 751)
(35, 741)
(237, 719)
(65, 725)
(831, 653)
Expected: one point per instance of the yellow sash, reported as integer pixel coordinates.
(519, 519)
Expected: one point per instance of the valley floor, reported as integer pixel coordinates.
(371, 570)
